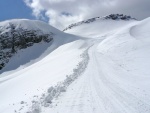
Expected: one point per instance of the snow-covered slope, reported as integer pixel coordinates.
(117, 78)
(28, 84)
(24, 40)
(108, 74)
(129, 48)
(98, 26)
(32, 70)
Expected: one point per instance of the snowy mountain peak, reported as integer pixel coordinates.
(109, 17)
(20, 34)
(28, 24)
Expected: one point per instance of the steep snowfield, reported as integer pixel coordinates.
(38, 77)
(111, 73)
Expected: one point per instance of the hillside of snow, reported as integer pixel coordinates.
(129, 48)
(27, 40)
(106, 71)
(30, 83)
(32, 70)
(117, 77)
(98, 26)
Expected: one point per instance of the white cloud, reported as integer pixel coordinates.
(61, 13)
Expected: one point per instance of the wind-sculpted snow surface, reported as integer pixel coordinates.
(53, 92)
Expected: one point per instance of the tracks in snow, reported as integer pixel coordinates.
(97, 91)
(46, 100)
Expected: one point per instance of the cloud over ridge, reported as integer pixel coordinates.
(61, 13)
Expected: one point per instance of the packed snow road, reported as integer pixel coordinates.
(99, 91)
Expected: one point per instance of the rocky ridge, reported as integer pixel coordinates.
(109, 17)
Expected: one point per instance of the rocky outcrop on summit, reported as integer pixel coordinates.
(109, 17)
(119, 17)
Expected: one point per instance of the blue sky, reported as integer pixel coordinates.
(10, 9)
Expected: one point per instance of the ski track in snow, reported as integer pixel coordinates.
(95, 92)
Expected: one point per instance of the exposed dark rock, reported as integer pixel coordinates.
(109, 17)
(13, 39)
